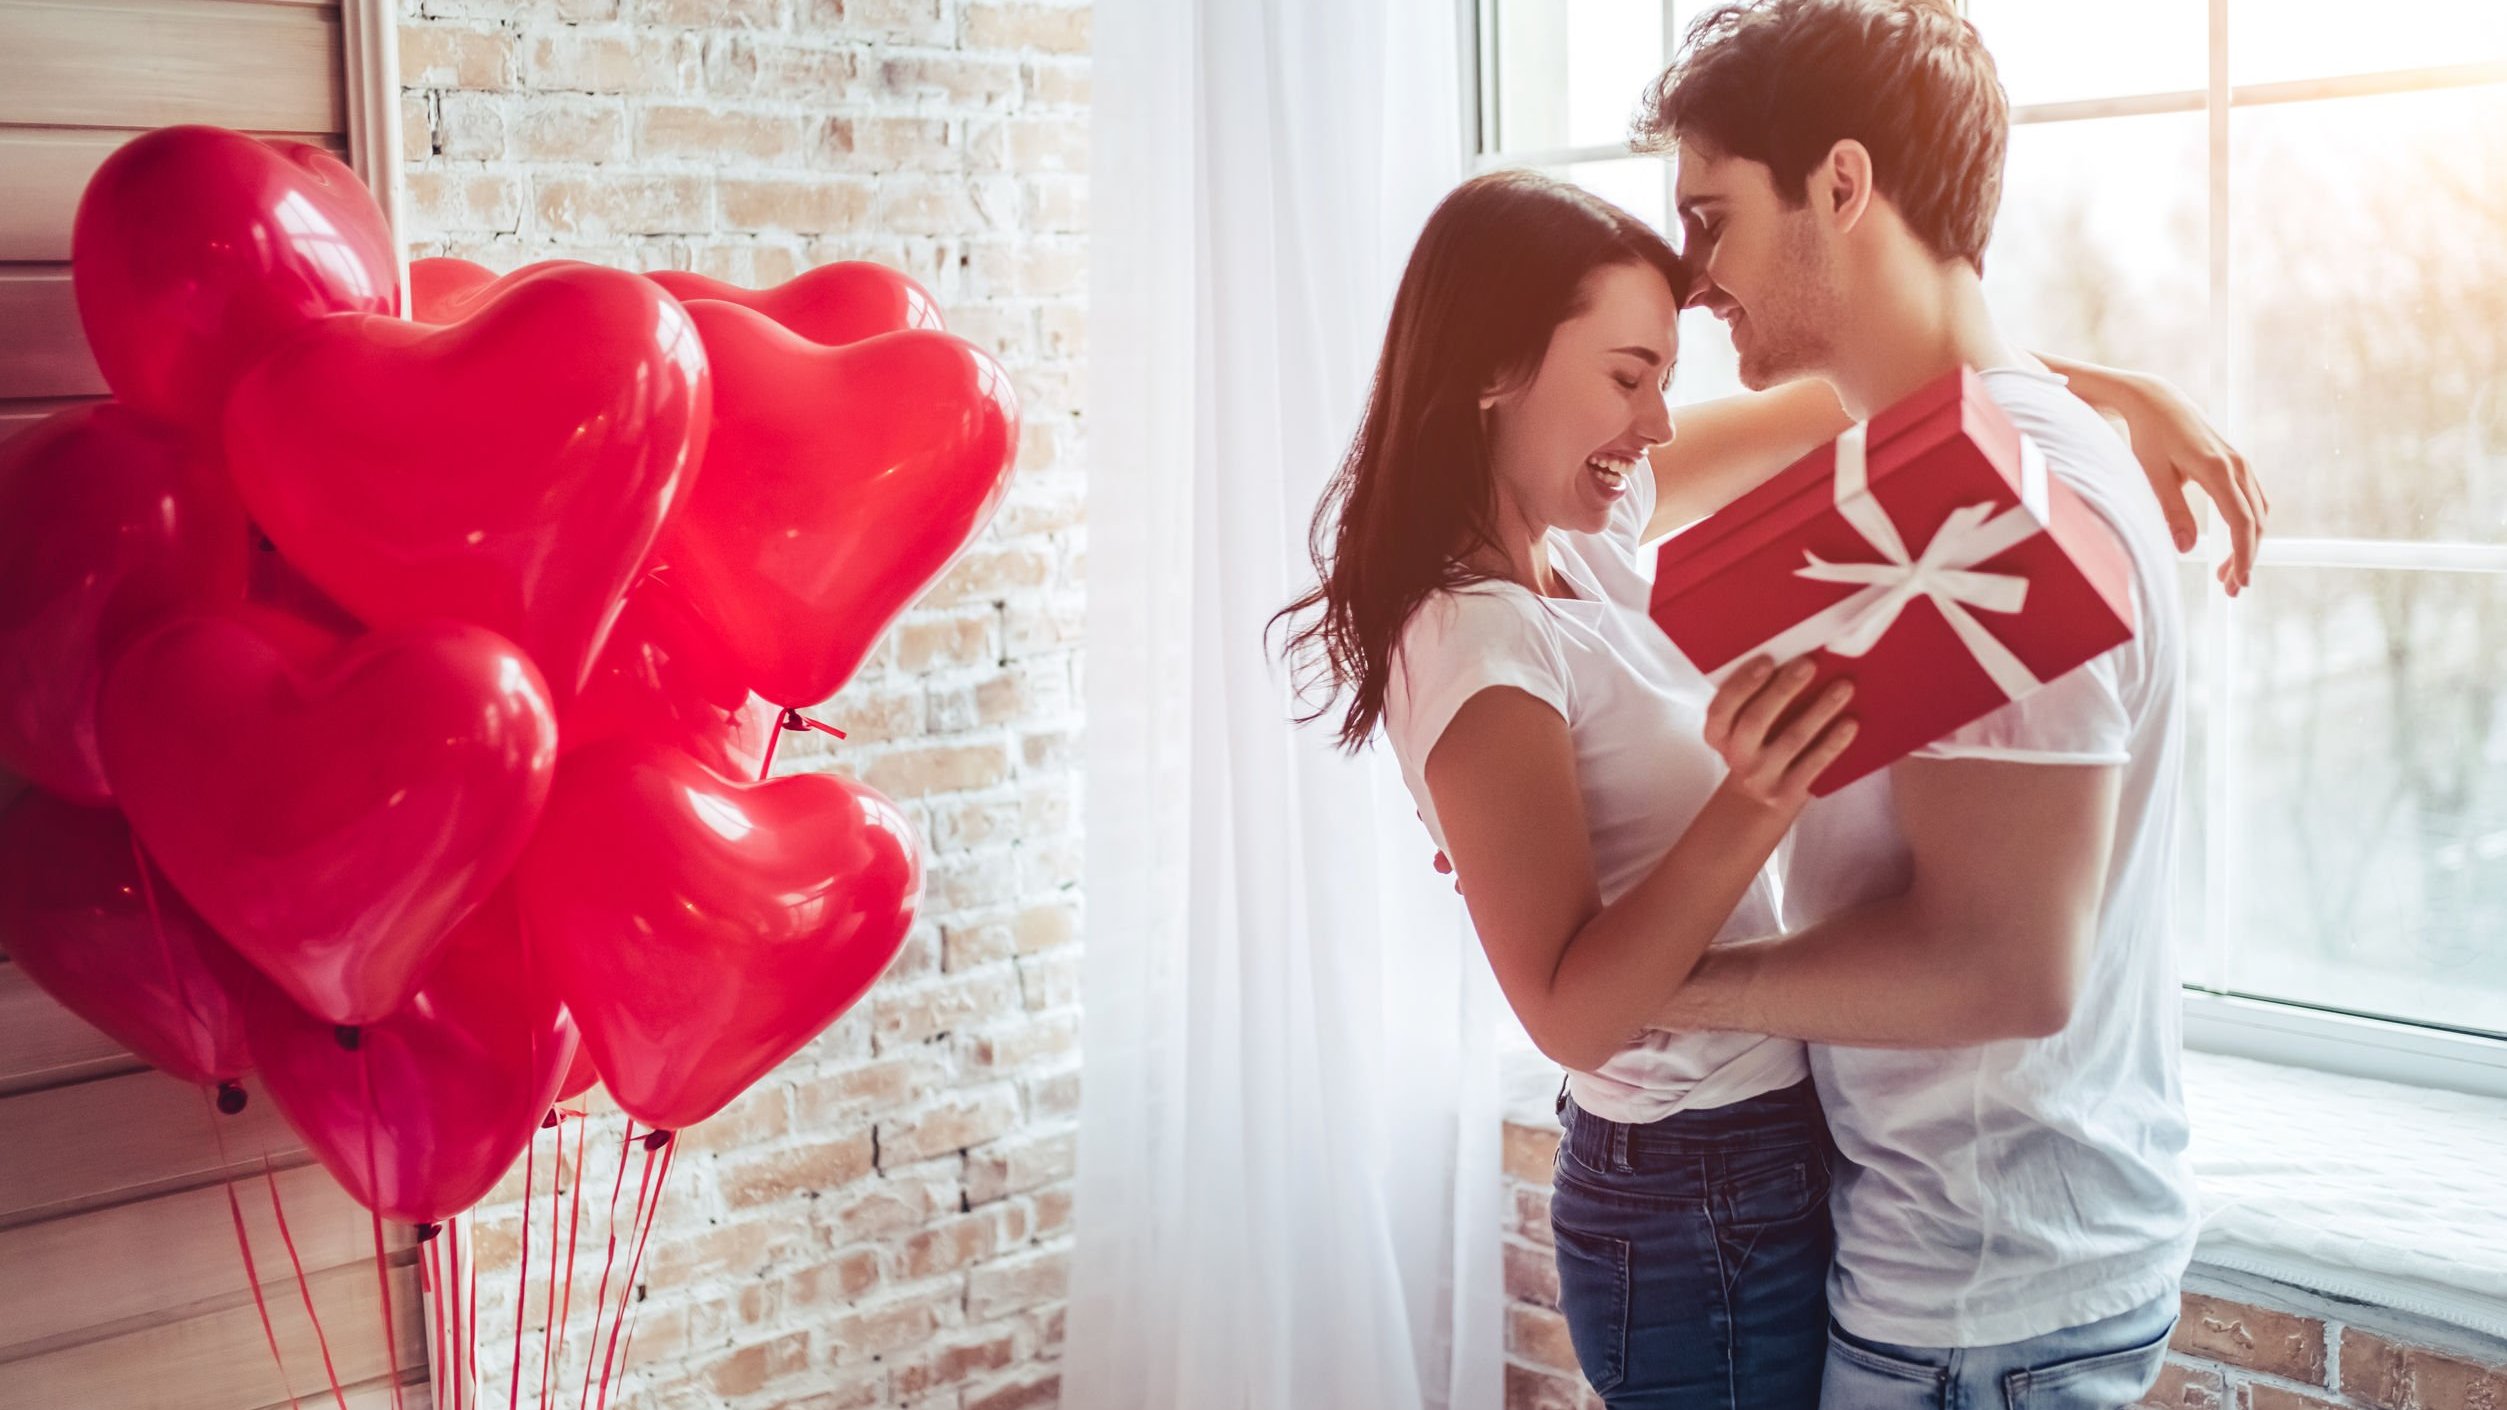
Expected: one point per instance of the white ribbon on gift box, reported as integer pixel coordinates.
(1944, 572)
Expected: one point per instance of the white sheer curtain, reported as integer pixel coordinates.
(1287, 1184)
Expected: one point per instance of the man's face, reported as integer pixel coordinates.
(1765, 267)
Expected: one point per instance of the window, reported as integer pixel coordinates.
(2292, 209)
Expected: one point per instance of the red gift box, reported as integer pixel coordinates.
(1927, 555)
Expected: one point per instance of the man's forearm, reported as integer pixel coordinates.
(1876, 975)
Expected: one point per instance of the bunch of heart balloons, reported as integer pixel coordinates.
(398, 684)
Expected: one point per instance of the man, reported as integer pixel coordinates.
(2015, 1215)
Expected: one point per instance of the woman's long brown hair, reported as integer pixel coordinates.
(1501, 263)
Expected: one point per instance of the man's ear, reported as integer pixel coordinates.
(1840, 187)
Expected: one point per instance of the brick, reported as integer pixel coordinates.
(881, 143)
(955, 1363)
(805, 205)
(2257, 1396)
(1055, 29)
(417, 128)
(1023, 1391)
(748, 1369)
(1539, 1336)
(722, 14)
(743, 1250)
(1010, 1284)
(1015, 1167)
(905, 1016)
(960, 824)
(2184, 1385)
(948, 1246)
(1531, 1275)
(889, 21)
(812, 1170)
(971, 1118)
(2264, 1339)
(835, 1283)
(858, 1090)
(1050, 980)
(465, 200)
(959, 637)
(892, 1205)
(920, 771)
(2390, 1375)
(1528, 1388)
(990, 573)
(1049, 1038)
(918, 204)
(625, 204)
(470, 126)
(889, 1327)
(1532, 1215)
(756, 1116)
(1530, 1152)
(1053, 1097)
(448, 56)
(1053, 1212)
(568, 127)
(954, 79)
(1055, 83)
(716, 135)
(634, 62)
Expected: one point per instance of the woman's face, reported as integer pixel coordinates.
(1563, 442)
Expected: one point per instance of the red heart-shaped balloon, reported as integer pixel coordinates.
(701, 931)
(580, 1074)
(445, 290)
(839, 483)
(76, 916)
(196, 249)
(831, 305)
(109, 524)
(332, 827)
(664, 677)
(428, 1110)
(511, 469)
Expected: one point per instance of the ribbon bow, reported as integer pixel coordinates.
(1944, 573)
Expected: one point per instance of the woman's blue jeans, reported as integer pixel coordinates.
(1693, 1253)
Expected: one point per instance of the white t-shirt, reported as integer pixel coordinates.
(1635, 710)
(2001, 1192)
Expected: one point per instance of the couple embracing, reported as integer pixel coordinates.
(1872, 1099)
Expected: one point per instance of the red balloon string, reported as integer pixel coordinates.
(473, 1382)
(626, 1290)
(522, 1281)
(431, 1283)
(792, 720)
(601, 1299)
(574, 1222)
(383, 1284)
(374, 1192)
(635, 1265)
(279, 1212)
(217, 1132)
(548, 1310)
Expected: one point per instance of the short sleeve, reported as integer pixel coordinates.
(1459, 644)
(2076, 718)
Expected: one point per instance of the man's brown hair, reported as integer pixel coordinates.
(1781, 82)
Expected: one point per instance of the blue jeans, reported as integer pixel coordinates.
(2096, 1366)
(1693, 1253)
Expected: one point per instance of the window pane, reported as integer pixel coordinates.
(2197, 956)
(2370, 835)
(2274, 40)
(2058, 53)
(2369, 257)
(1569, 75)
(2101, 248)
(1638, 185)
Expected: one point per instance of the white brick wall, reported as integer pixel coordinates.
(884, 1220)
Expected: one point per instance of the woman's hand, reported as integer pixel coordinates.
(2177, 446)
(1774, 760)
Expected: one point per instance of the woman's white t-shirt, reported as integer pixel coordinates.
(1635, 709)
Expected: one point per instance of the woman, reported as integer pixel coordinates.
(1481, 600)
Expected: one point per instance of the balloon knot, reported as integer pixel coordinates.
(230, 1098)
(262, 541)
(428, 1231)
(792, 720)
(655, 1140)
(549, 1120)
(345, 1035)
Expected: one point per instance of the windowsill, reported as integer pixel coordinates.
(2359, 1190)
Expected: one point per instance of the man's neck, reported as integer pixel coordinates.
(1919, 324)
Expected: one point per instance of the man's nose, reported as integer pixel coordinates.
(1708, 295)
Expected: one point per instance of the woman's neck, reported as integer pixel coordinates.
(1522, 556)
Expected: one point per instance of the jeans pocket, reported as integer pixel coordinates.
(1772, 1192)
(1595, 1274)
(1861, 1377)
(2094, 1382)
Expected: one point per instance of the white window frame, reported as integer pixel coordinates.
(2217, 1018)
